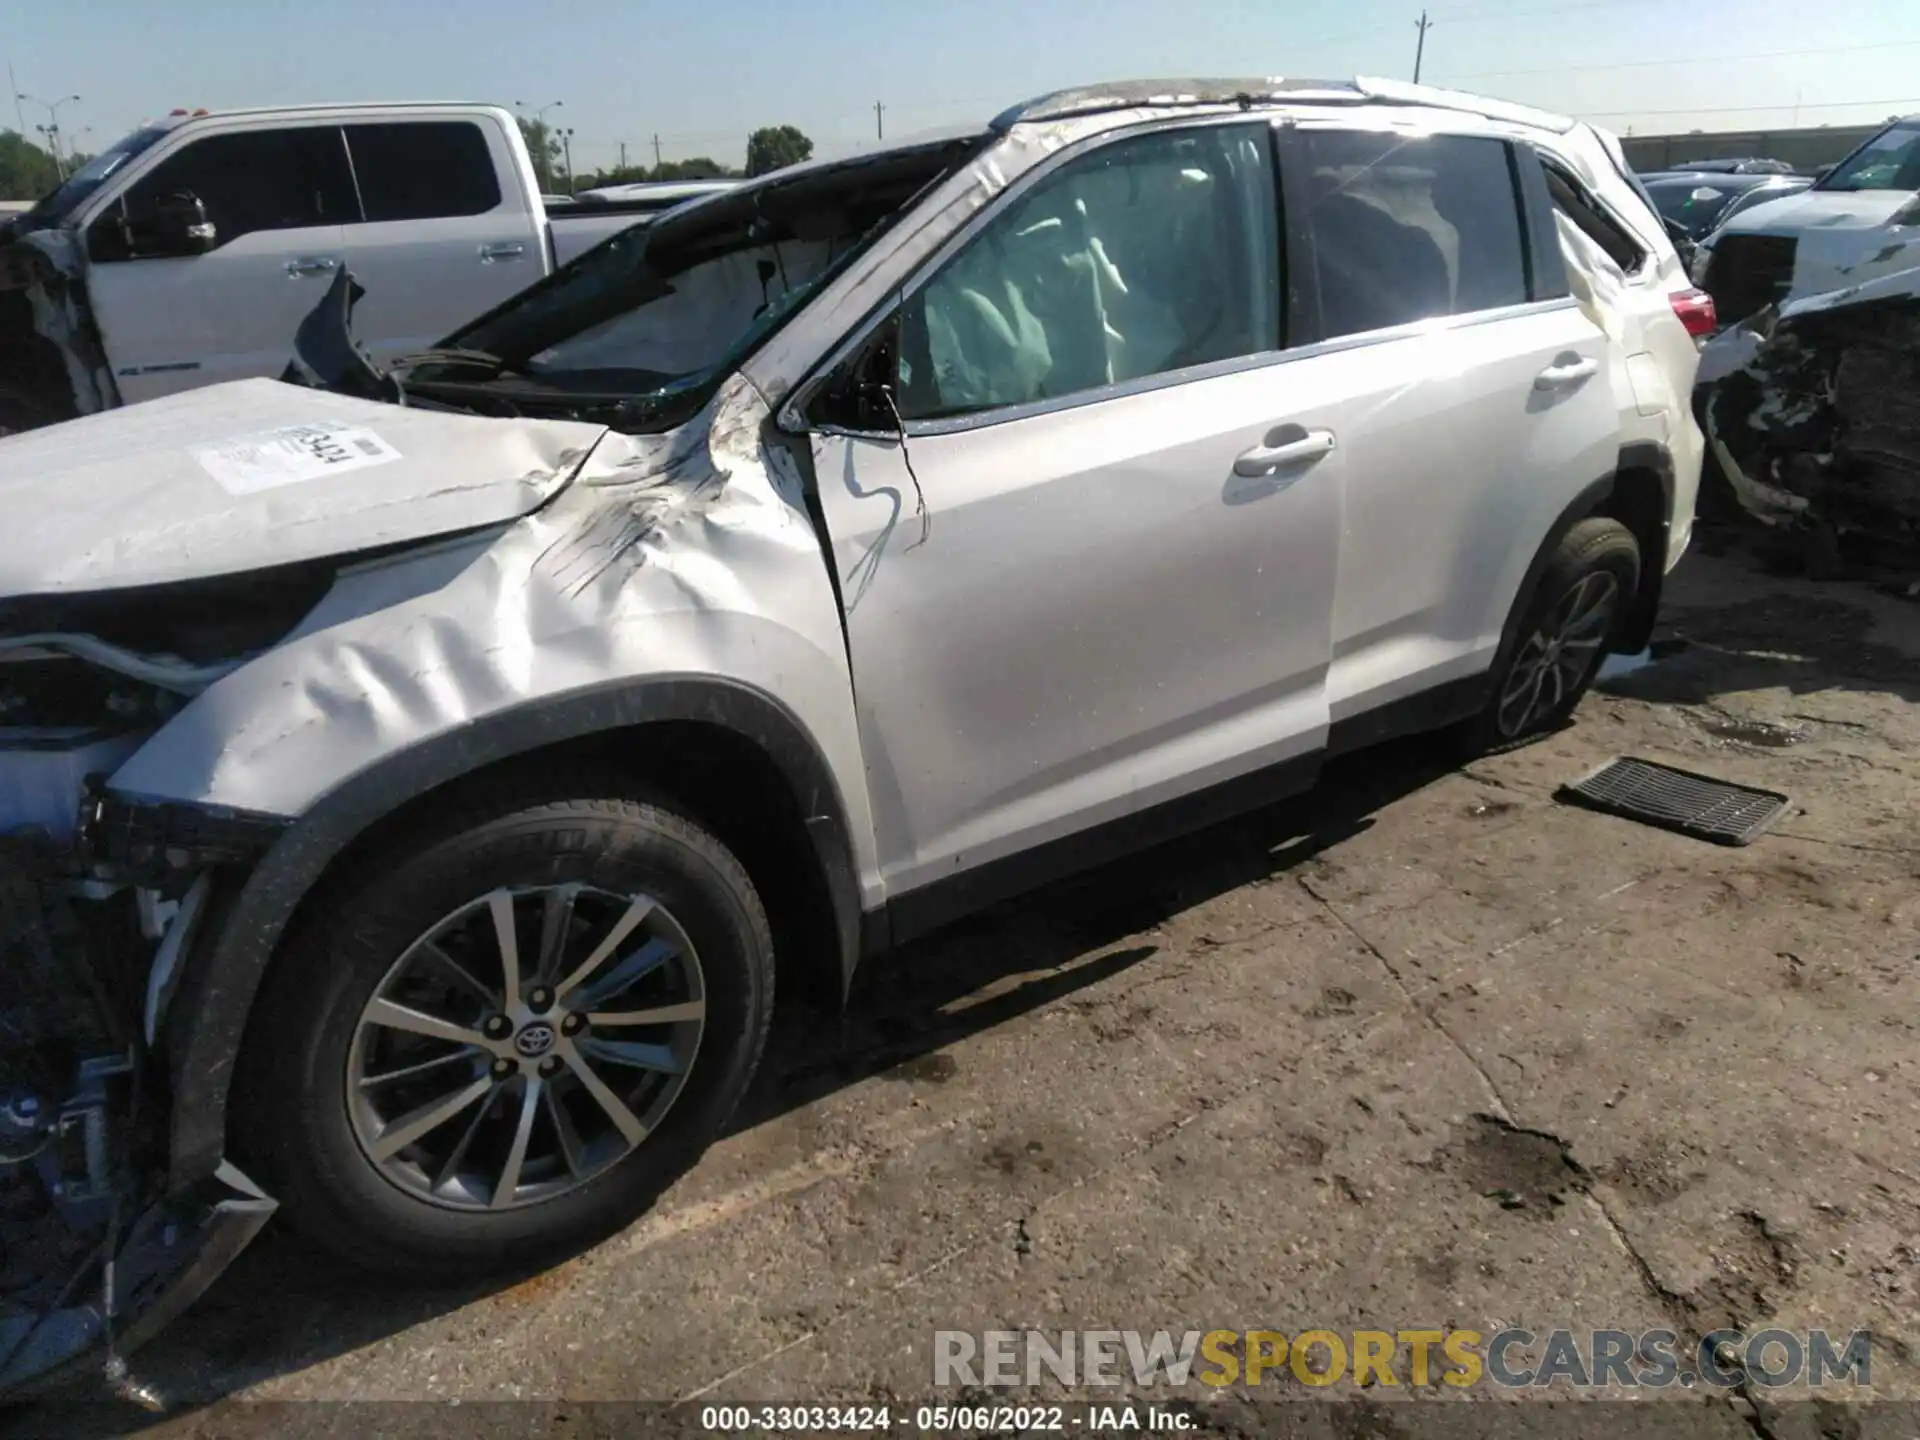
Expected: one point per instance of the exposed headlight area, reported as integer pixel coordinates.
(99, 897)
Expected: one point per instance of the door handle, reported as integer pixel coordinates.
(1565, 372)
(1296, 445)
(312, 265)
(507, 250)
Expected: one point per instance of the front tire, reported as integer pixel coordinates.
(1555, 651)
(497, 1041)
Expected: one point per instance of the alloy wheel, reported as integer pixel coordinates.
(1556, 657)
(525, 1044)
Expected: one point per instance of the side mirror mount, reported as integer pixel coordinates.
(181, 226)
(860, 395)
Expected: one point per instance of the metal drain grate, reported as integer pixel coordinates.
(1671, 799)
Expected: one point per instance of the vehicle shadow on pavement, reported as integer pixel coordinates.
(281, 1308)
(1029, 952)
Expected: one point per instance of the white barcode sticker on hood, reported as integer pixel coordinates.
(248, 464)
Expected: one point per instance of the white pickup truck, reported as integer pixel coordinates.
(188, 253)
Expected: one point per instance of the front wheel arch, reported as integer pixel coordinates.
(207, 1016)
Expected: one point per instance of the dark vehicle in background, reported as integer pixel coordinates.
(1701, 201)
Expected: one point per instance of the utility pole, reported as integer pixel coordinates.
(566, 149)
(879, 122)
(656, 152)
(623, 155)
(1420, 49)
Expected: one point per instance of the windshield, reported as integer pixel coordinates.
(91, 176)
(1889, 161)
(640, 330)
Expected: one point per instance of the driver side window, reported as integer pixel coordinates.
(1142, 257)
(248, 180)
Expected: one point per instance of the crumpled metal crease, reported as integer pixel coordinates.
(677, 553)
(57, 318)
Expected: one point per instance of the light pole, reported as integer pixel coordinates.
(566, 149)
(52, 128)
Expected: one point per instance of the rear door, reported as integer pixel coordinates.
(277, 197)
(448, 233)
(1470, 395)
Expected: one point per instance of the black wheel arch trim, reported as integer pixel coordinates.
(1592, 500)
(207, 1017)
(1637, 625)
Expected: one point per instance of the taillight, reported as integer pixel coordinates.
(1695, 310)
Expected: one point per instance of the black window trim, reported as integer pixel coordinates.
(1545, 260)
(797, 413)
(1300, 289)
(1584, 193)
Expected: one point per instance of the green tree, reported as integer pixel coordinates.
(700, 167)
(544, 146)
(26, 171)
(774, 147)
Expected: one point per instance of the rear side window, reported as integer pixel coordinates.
(1571, 199)
(423, 170)
(1406, 228)
(255, 180)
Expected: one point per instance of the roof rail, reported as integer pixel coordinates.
(1131, 94)
(1266, 90)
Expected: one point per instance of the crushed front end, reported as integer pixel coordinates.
(99, 1246)
(52, 363)
(1812, 413)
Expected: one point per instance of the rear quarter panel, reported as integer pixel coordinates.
(1654, 368)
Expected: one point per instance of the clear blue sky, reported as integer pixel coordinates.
(702, 73)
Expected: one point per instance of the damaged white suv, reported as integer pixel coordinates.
(406, 786)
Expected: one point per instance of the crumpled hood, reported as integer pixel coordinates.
(1821, 210)
(256, 474)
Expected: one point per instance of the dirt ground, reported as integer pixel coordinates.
(1428, 1048)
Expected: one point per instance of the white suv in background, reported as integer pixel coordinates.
(833, 556)
(1859, 222)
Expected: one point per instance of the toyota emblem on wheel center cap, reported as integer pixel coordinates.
(535, 1039)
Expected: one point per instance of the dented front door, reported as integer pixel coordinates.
(1098, 574)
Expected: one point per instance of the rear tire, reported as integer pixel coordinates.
(548, 1164)
(1550, 658)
